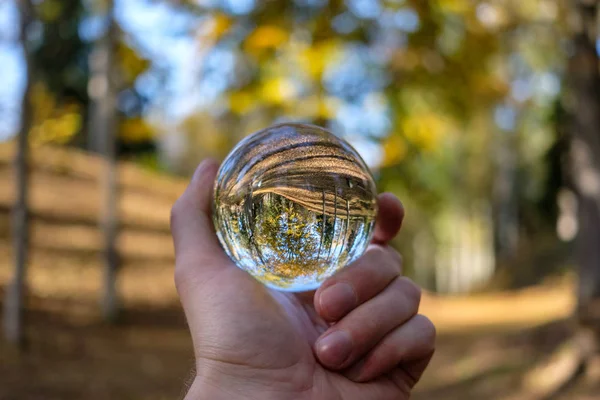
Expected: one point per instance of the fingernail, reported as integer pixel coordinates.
(337, 300)
(335, 348)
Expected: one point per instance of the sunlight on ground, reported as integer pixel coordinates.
(486, 342)
(518, 309)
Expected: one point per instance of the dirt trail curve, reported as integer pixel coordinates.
(486, 341)
(65, 204)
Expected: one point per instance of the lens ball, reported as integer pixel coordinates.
(293, 204)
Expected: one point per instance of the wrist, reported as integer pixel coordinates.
(203, 389)
(215, 381)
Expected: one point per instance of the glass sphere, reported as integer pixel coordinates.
(293, 204)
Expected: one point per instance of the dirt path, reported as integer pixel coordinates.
(486, 341)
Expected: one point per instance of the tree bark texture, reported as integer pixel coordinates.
(103, 88)
(14, 304)
(583, 103)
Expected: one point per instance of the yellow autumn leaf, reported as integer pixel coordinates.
(135, 130)
(132, 64)
(241, 102)
(305, 107)
(277, 90)
(311, 107)
(43, 103)
(50, 10)
(67, 125)
(405, 59)
(266, 37)
(59, 129)
(485, 85)
(425, 130)
(221, 24)
(314, 59)
(394, 150)
(455, 6)
(328, 106)
(52, 122)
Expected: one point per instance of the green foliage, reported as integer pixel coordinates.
(453, 97)
(61, 68)
(60, 55)
(448, 97)
(437, 70)
(284, 226)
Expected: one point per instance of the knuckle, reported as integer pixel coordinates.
(345, 275)
(406, 295)
(392, 349)
(397, 255)
(396, 259)
(376, 251)
(411, 290)
(386, 256)
(369, 261)
(400, 259)
(427, 330)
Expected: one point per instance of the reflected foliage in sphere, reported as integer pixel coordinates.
(293, 204)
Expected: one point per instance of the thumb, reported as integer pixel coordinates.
(198, 254)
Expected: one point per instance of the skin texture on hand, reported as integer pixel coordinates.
(359, 336)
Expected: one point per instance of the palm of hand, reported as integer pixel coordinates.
(252, 342)
(270, 335)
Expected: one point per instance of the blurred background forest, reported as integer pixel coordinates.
(482, 116)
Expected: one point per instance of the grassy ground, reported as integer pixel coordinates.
(487, 343)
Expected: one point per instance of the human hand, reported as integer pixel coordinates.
(359, 336)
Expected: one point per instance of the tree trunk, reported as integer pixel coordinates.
(583, 102)
(15, 293)
(103, 132)
(505, 202)
(579, 356)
